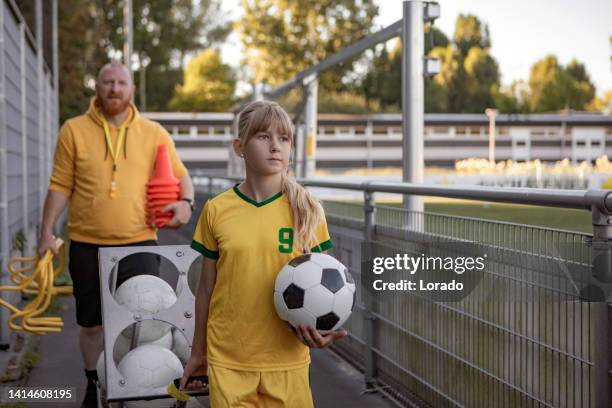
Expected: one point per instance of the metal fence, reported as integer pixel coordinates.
(28, 129)
(527, 338)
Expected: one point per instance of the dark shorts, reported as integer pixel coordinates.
(84, 270)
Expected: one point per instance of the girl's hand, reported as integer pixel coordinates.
(195, 366)
(315, 339)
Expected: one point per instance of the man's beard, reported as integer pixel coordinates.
(113, 109)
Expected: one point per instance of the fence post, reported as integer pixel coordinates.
(369, 302)
(600, 324)
(4, 233)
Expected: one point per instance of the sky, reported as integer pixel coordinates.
(522, 32)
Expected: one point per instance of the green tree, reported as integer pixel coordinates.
(554, 87)
(82, 51)
(434, 38)
(512, 99)
(380, 84)
(602, 104)
(165, 32)
(208, 85)
(452, 77)
(482, 74)
(470, 32)
(542, 72)
(378, 73)
(284, 37)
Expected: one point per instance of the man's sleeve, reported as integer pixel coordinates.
(324, 241)
(204, 240)
(62, 175)
(178, 168)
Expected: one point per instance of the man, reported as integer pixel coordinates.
(103, 160)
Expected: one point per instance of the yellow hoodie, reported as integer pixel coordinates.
(82, 170)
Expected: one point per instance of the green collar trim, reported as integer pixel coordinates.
(253, 202)
(204, 251)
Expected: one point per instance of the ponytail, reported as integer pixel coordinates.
(307, 213)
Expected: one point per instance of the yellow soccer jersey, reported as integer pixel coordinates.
(251, 242)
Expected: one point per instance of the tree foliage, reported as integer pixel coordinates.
(554, 87)
(165, 32)
(469, 78)
(284, 37)
(208, 85)
(470, 32)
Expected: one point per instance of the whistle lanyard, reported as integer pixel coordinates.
(114, 153)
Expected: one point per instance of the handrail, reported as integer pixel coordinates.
(577, 199)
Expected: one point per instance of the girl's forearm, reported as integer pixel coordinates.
(203, 295)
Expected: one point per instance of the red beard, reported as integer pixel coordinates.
(115, 106)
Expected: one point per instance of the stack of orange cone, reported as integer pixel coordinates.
(162, 190)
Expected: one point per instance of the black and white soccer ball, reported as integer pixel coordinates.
(314, 290)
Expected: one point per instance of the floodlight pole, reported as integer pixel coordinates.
(128, 35)
(413, 105)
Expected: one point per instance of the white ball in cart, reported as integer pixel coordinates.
(150, 366)
(147, 294)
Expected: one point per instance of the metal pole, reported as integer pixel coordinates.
(41, 115)
(54, 108)
(310, 127)
(128, 44)
(24, 131)
(55, 62)
(299, 146)
(143, 86)
(258, 93)
(369, 323)
(4, 234)
(491, 113)
(55, 111)
(413, 108)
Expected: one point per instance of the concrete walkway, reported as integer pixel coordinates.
(335, 383)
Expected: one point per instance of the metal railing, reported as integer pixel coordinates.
(528, 339)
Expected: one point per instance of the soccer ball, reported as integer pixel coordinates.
(147, 294)
(150, 366)
(314, 290)
(180, 346)
(123, 343)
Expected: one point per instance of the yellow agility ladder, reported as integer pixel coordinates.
(40, 284)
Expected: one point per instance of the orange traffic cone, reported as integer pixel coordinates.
(162, 189)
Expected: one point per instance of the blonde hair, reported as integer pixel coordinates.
(259, 116)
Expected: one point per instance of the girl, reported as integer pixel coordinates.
(246, 235)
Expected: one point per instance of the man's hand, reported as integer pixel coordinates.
(46, 241)
(182, 213)
(315, 339)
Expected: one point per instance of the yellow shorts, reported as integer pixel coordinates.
(269, 389)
